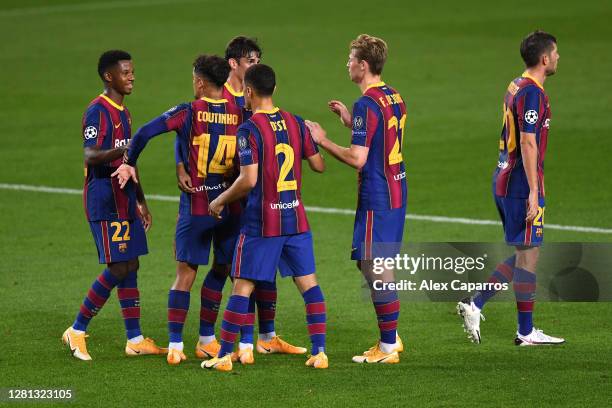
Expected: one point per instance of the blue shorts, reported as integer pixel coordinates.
(517, 231)
(194, 234)
(257, 258)
(119, 240)
(378, 233)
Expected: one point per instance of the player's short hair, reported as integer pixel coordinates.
(535, 45)
(371, 49)
(241, 46)
(261, 78)
(109, 59)
(213, 68)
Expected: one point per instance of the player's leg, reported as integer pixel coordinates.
(297, 260)
(265, 298)
(379, 234)
(255, 259)
(524, 286)
(108, 253)
(233, 318)
(178, 306)
(211, 295)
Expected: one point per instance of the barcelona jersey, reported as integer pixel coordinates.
(206, 131)
(277, 141)
(106, 126)
(233, 96)
(526, 109)
(379, 118)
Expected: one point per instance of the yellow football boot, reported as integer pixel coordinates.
(220, 364)
(400, 344)
(318, 361)
(277, 345)
(145, 347)
(376, 355)
(175, 357)
(76, 342)
(244, 356)
(209, 350)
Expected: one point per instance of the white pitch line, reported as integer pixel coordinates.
(323, 210)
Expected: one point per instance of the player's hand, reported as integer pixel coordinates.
(341, 110)
(532, 206)
(215, 207)
(183, 179)
(316, 131)
(124, 173)
(145, 216)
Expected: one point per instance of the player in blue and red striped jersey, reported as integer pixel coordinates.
(275, 231)
(518, 189)
(377, 123)
(241, 53)
(118, 218)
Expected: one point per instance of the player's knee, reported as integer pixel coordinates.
(185, 276)
(305, 283)
(119, 270)
(243, 287)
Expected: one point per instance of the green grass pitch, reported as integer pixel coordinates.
(450, 60)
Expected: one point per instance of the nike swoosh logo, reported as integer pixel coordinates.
(135, 351)
(268, 350)
(116, 126)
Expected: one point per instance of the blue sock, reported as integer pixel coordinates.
(233, 318)
(96, 298)
(210, 300)
(387, 307)
(265, 296)
(524, 290)
(316, 318)
(247, 328)
(503, 274)
(129, 298)
(178, 306)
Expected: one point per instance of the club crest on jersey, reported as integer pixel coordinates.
(123, 247)
(90, 132)
(357, 122)
(531, 116)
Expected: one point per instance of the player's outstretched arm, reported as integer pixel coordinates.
(95, 156)
(341, 110)
(239, 189)
(355, 156)
(529, 152)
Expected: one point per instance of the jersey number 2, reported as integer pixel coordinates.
(395, 156)
(283, 184)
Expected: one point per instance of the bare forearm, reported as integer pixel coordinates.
(140, 197)
(239, 189)
(95, 157)
(342, 154)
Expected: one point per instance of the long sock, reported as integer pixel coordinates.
(265, 296)
(247, 328)
(96, 298)
(524, 291)
(503, 274)
(316, 318)
(178, 306)
(210, 297)
(387, 307)
(129, 298)
(233, 318)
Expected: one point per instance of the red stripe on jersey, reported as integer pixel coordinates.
(528, 228)
(121, 199)
(105, 241)
(239, 255)
(269, 170)
(103, 129)
(368, 234)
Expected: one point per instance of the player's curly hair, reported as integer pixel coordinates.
(109, 59)
(261, 78)
(371, 49)
(213, 68)
(241, 46)
(535, 45)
